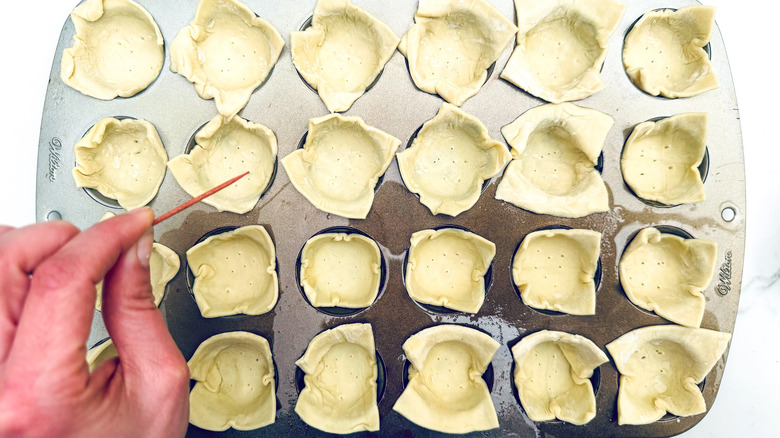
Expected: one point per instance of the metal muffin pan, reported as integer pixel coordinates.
(285, 104)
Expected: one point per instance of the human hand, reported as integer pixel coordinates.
(48, 274)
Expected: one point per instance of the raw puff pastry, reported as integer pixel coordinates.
(341, 389)
(452, 44)
(117, 49)
(667, 274)
(101, 353)
(552, 375)
(660, 367)
(555, 148)
(561, 46)
(235, 273)
(661, 159)
(340, 164)
(227, 147)
(235, 387)
(341, 270)
(123, 160)
(663, 54)
(446, 392)
(450, 159)
(342, 53)
(447, 267)
(227, 52)
(555, 269)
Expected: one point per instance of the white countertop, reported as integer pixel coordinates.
(750, 391)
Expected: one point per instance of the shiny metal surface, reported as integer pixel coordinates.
(284, 104)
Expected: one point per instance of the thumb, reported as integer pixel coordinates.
(147, 352)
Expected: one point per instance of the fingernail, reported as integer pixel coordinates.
(144, 246)
(143, 211)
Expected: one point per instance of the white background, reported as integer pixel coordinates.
(749, 397)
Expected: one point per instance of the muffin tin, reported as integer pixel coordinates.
(285, 104)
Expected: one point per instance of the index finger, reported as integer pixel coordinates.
(57, 315)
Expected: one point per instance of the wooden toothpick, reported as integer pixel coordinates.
(194, 201)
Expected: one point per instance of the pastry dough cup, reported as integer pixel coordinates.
(664, 52)
(556, 149)
(338, 254)
(665, 161)
(554, 373)
(341, 376)
(449, 269)
(558, 269)
(561, 47)
(445, 391)
(227, 52)
(118, 50)
(449, 160)
(342, 53)
(224, 148)
(666, 273)
(340, 164)
(255, 287)
(123, 159)
(452, 45)
(223, 366)
(660, 367)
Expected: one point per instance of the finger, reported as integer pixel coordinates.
(146, 349)
(103, 374)
(21, 251)
(4, 229)
(58, 312)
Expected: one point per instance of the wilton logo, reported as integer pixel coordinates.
(55, 161)
(724, 277)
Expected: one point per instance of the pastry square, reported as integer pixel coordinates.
(452, 44)
(555, 150)
(561, 47)
(555, 270)
(342, 53)
(234, 383)
(667, 274)
(660, 367)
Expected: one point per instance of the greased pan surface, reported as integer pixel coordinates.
(285, 104)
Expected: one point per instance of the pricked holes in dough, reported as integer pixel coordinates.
(379, 181)
(664, 229)
(704, 169)
(458, 29)
(306, 25)
(575, 41)
(488, 376)
(249, 385)
(707, 49)
(552, 163)
(595, 381)
(380, 377)
(342, 311)
(191, 143)
(237, 57)
(596, 277)
(440, 309)
(452, 149)
(94, 194)
(490, 71)
(191, 277)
